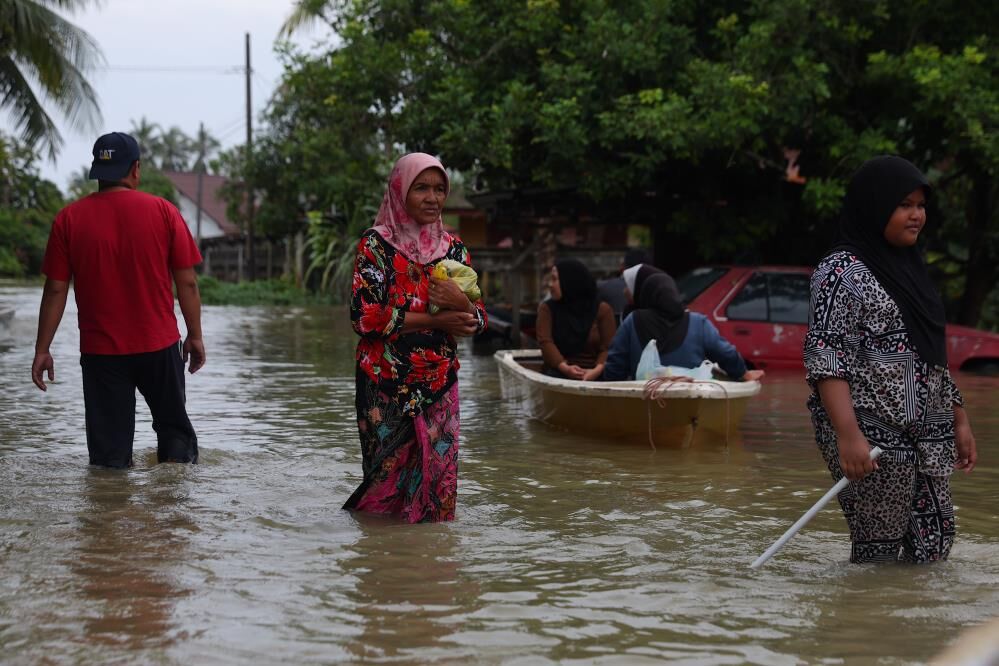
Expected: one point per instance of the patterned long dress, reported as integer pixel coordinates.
(407, 391)
(903, 404)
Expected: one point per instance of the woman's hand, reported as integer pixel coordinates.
(593, 373)
(447, 295)
(571, 371)
(967, 451)
(459, 324)
(855, 456)
(753, 375)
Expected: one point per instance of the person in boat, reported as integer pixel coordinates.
(407, 359)
(684, 339)
(875, 357)
(634, 278)
(574, 327)
(612, 290)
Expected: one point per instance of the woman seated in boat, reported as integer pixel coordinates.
(634, 280)
(574, 327)
(684, 339)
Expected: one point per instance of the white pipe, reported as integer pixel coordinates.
(840, 485)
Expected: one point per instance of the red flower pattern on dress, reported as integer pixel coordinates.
(429, 368)
(416, 367)
(374, 317)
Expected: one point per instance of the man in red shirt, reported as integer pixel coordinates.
(122, 248)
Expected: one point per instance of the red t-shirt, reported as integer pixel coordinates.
(119, 249)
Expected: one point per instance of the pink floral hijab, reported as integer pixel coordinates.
(419, 243)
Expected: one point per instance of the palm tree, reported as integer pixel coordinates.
(204, 145)
(39, 46)
(306, 12)
(175, 148)
(80, 184)
(145, 134)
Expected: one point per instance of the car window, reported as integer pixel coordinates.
(692, 284)
(789, 295)
(781, 298)
(751, 301)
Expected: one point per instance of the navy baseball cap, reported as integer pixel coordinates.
(114, 154)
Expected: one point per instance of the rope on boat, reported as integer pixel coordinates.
(656, 389)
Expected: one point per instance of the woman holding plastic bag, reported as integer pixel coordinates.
(407, 358)
(684, 339)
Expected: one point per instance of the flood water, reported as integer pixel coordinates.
(566, 549)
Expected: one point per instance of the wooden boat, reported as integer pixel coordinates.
(668, 416)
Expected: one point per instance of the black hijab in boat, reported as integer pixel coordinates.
(875, 191)
(573, 314)
(660, 314)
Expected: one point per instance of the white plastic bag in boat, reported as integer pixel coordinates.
(648, 363)
(703, 371)
(649, 366)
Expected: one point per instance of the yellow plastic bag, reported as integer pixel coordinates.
(467, 279)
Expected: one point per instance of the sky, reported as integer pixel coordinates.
(141, 38)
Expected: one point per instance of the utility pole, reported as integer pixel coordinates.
(251, 265)
(200, 166)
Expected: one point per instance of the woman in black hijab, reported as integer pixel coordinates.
(574, 327)
(876, 359)
(684, 339)
(634, 280)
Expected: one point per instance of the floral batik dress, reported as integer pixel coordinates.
(407, 392)
(903, 404)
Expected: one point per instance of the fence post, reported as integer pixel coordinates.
(299, 258)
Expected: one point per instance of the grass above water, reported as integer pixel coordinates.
(261, 292)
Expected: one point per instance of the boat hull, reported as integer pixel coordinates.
(619, 410)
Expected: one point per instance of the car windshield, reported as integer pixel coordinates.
(696, 281)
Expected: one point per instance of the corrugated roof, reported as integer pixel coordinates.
(212, 202)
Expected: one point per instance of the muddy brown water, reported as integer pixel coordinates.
(566, 548)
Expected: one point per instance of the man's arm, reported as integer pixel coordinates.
(190, 306)
(49, 315)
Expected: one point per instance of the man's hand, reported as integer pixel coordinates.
(459, 324)
(43, 362)
(194, 348)
(753, 375)
(855, 456)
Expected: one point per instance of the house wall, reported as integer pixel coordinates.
(189, 211)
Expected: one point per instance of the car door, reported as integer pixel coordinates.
(766, 318)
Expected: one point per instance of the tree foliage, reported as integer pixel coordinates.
(730, 127)
(40, 51)
(27, 205)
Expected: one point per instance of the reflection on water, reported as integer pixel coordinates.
(566, 548)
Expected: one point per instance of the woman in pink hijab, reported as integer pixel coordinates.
(407, 358)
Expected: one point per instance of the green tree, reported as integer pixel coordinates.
(27, 205)
(39, 46)
(729, 127)
(147, 135)
(175, 150)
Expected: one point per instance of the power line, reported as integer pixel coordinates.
(205, 69)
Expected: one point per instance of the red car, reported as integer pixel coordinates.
(763, 311)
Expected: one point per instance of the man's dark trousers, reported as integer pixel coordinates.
(109, 384)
